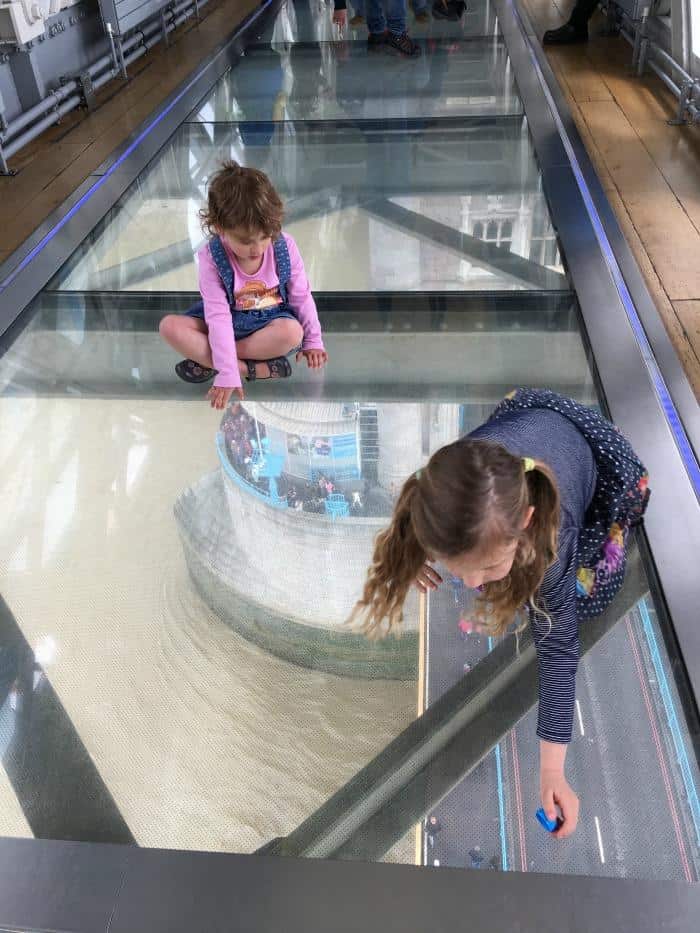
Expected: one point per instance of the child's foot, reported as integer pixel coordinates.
(278, 368)
(403, 44)
(190, 371)
(357, 21)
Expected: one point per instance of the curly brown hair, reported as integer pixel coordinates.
(241, 197)
(472, 494)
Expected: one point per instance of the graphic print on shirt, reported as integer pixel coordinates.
(256, 296)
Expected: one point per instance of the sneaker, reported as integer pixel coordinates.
(565, 35)
(422, 17)
(403, 44)
(377, 40)
(357, 21)
(451, 10)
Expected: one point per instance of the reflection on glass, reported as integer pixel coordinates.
(194, 651)
(316, 488)
(352, 207)
(337, 82)
(311, 21)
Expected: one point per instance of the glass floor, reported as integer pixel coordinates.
(175, 667)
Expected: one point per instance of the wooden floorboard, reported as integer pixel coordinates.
(649, 170)
(689, 314)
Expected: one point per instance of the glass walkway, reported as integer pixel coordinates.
(175, 666)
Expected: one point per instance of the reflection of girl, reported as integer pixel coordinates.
(544, 488)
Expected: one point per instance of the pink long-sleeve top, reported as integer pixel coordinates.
(257, 291)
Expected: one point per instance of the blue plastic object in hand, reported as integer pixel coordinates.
(549, 825)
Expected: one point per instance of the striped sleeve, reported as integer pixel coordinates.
(556, 640)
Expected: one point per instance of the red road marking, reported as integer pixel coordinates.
(659, 751)
(518, 801)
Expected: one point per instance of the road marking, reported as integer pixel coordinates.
(580, 718)
(600, 840)
(421, 854)
(501, 799)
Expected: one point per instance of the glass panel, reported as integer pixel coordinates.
(631, 762)
(328, 82)
(184, 661)
(370, 209)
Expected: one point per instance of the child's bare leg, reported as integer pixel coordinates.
(276, 339)
(187, 335)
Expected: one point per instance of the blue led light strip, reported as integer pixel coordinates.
(673, 420)
(119, 161)
(501, 798)
(672, 718)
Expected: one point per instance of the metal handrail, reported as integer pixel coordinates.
(644, 47)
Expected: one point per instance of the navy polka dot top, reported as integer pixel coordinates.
(551, 437)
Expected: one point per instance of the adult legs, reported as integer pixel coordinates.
(576, 30)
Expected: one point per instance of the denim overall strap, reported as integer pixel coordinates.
(224, 268)
(283, 264)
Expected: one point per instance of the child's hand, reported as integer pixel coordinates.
(555, 791)
(219, 396)
(315, 359)
(428, 578)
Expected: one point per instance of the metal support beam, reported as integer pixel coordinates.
(26, 74)
(495, 259)
(4, 169)
(164, 28)
(680, 32)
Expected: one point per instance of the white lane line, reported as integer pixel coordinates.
(580, 717)
(600, 841)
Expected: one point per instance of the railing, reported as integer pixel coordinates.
(17, 133)
(648, 53)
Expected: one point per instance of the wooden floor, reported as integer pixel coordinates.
(650, 171)
(55, 164)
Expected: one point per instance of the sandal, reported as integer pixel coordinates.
(280, 368)
(189, 371)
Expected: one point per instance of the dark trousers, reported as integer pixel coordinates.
(582, 12)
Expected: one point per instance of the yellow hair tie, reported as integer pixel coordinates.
(528, 464)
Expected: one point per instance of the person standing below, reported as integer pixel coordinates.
(386, 31)
(576, 30)
(432, 828)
